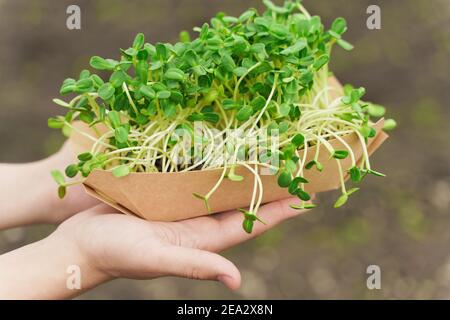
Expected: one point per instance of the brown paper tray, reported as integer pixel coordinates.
(169, 196)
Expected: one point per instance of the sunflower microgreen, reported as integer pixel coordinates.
(263, 72)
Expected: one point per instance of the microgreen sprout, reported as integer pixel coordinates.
(259, 73)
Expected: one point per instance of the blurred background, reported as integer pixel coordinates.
(400, 223)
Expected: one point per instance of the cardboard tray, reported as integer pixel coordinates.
(169, 196)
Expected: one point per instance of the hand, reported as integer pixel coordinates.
(116, 245)
(76, 199)
(28, 194)
(106, 245)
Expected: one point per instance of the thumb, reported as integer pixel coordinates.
(200, 265)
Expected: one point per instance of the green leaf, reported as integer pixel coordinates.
(375, 173)
(169, 109)
(229, 104)
(103, 64)
(87, 117)
(58, 177)
(147, 92)
(142, 69)
(211, 117)
(106, 91)
(71, 170)
(85, 156)
(68, 88)
(345, 45)
(284, 179)
(204, 199)
(299, 180)
(62, 192)
(191, 58)
(290, 165)
(295, 48)
(174, 74)
(319, 166)
(185, 37)
(67, 131)
(247, 15)
(280, 31)
(355, 174)
(298, 140)
(340, 154)
(161, 51)
(142, 55)
(211, 96)
(240, 71)
(55, 123)
(376, 110)
(121, 171)
(118, 78)
(389, 125)
(198, 196)
(313, 163)
(357, 107)
(289, 151)
(310, 165)
(321, 61)
(367, 131)
(233, 176)
(306, 206)
(114, 118)
(228, 63)
(163, 94)
(352, 191)
(247, 225)
(130, 52)
(341, 201)
(85, 74)
(84, 84)
(258, 103)
(303, 195)
(339, 26)
(139, 41)
(285, 109)
(244, 114)
(293, 188)
(283, 127)
(271, 6)
(98, 82)
(196, 117)
(121, 134)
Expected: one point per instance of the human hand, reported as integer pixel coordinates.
(28, 194)
(104, 245)
(120, 246)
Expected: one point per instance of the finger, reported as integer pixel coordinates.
(198, 264)
(224, 230)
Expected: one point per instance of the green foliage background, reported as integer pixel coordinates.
(400, 223)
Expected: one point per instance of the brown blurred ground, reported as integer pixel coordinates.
(400, 223)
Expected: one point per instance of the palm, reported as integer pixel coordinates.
(125, 246)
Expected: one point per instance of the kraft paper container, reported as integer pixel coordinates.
(169, 196)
